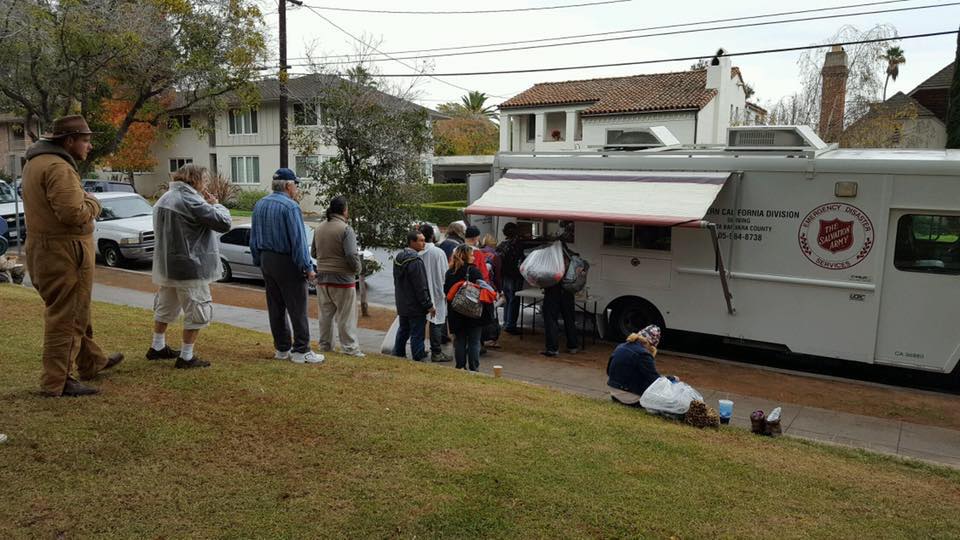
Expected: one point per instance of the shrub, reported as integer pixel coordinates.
(224, 190)
(246, 199)
(441, 213)
(446, 192)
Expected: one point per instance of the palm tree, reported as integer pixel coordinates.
(473, 104)
(894, 57)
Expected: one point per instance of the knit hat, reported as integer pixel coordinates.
(472, 232)
(651, 334)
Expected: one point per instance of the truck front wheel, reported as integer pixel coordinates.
(111, 254)
(628, 315)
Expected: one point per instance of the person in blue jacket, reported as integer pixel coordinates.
(632, 368)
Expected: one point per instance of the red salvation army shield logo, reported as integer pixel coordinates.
(836, 236)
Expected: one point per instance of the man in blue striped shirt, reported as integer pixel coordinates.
(278, 244)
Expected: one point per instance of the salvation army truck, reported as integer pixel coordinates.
(776, 239)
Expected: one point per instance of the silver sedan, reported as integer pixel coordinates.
(236, 258)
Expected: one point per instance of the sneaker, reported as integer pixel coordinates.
(281, 355)
(439, 357)
(195, 362)
(355, 353)
(3, 438)
(549, 354)
(308, 357)
(574, 350)
(166, 353)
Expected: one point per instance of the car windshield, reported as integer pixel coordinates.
(6, 193)
(125, 207)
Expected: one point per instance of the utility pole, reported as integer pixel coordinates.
(282, 79)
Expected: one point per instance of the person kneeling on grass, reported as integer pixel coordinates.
(632, 368)
(186, 258)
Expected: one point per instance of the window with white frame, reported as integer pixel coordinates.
(306, 166)
(181, 121)
(245, 169)
(307, 114)
(176, 163)
(243, 122)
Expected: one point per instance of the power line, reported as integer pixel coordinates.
(658, 34)
(472, 12)
(645, 29)
(365, 44)
(678, 59)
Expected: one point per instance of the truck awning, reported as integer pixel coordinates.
(664, 199)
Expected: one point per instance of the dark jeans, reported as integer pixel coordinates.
(559, 303)
(411, 328)
(286, 289)
(466, 348)
(511, 310)
(436, 337)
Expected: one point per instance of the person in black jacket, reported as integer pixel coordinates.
(412, 297)
(466, 331)
(632, 369)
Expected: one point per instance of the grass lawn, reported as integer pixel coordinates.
(240, 213)
(379, 447)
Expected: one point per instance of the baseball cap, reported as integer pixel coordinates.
(284, 173)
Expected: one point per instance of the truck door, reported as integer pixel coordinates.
(920, 299)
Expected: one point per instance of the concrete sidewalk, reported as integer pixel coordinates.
(936, 445)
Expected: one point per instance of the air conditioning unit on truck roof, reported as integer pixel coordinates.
(776, 237)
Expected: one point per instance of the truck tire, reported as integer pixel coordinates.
(111, 254)
(227, 273)
(629, 314)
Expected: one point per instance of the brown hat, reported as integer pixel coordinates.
(68, 125)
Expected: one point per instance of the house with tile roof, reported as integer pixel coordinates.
(244, 144)
(917, 119)
(697, 106)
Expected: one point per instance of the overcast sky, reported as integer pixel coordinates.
(771, 75)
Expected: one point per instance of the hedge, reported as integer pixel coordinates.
(441, 213)
(446, 192)
(246, 199)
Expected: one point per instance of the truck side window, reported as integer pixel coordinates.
(636, 236)
(928, 243)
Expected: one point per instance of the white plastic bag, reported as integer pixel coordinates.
(664, 396)
(544, 267)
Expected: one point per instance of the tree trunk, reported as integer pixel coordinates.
(885, 83)
(130, 177)
(364, 307)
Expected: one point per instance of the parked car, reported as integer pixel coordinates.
(236, 258)
(106, 186)
(9, 213)
(124, 230)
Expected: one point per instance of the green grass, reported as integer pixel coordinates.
(380, 447)
(240, 213)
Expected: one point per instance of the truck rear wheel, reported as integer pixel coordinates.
(111, 254)
(628, 315)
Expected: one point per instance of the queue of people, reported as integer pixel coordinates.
(428, 273)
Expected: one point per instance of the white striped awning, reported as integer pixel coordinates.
(664, 199)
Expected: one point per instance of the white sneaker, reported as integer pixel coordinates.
(357, 353)
(281, 355)
(3, 438)
(308, 357)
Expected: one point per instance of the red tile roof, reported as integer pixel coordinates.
(638, 93)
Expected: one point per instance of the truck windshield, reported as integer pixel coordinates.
(126, 207)
(6, 193)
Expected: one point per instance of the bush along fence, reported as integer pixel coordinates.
(445, 193)
(441, 213)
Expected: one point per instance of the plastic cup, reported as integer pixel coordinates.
(497, 371)
(725, 410)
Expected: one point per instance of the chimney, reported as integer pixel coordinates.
(833, 94)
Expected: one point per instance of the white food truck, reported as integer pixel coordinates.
(776, 239)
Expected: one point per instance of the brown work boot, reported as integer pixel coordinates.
(73, 388)
(112, 361)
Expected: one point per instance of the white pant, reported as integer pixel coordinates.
(338, 309)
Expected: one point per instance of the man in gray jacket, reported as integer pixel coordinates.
(338, 263)
(186, 259)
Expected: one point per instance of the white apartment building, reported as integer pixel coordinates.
(697, 106)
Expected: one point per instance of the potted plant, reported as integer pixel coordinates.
(555, 134)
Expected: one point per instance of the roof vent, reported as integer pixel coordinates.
(640, 138)
(773, 138)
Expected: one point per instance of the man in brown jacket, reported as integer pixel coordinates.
(60, 256)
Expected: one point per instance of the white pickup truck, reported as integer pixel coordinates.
(124, 230)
